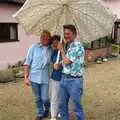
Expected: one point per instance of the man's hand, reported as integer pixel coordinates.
(26, 74)
(27, 81)
(64, 58)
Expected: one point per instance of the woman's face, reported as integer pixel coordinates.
(44, 39)
(55, 44)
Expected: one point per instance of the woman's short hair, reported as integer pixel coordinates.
(55, 37)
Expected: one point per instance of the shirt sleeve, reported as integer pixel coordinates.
(29, 56)
(75, 52)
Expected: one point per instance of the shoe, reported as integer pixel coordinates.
(53, 119)
(46, 114)
(38, 118)
(59, 116)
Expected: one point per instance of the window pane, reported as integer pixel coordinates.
(4, 31)
(118, 36)
(8, 32)
(103, 42)
(96, 44)
(13, 32)
(118, 25)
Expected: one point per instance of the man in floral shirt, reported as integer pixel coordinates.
(71, 84)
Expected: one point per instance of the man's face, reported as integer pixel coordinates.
(68, 35)
(44, 39)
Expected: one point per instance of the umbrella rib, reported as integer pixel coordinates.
(45, 16)
(90, 17)
(58, 20)
(74, 21)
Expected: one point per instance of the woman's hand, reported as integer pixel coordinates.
(57, 66)
(60, 46)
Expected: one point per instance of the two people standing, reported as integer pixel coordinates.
(71, 77)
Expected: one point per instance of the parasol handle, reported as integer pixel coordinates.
(58, 55)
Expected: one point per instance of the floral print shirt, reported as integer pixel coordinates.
(75, 54)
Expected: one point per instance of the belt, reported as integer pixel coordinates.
(71, 76)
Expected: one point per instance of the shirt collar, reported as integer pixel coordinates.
(74, 42)
(40, 45)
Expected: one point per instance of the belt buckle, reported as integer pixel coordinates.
(68, 76)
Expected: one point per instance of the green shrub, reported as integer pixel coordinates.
(19, 72)
(6, 76)
(16, 65)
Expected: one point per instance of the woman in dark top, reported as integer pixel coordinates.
(55, 78)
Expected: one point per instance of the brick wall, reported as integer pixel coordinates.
(91, 55)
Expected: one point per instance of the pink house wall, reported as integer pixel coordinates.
(12, 52)
(91, 55)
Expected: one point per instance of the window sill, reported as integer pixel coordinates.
(8, 41)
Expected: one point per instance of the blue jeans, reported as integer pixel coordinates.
(40, 92)
(71, 88)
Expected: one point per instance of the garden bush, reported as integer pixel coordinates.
(19, 73)
(6, 76)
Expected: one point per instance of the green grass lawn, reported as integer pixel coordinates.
(101, 95)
